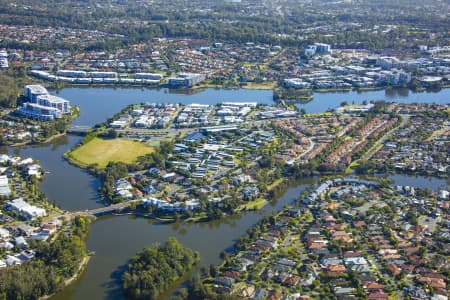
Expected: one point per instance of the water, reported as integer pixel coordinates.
(69, 187)
(116, 239)
(434, 184)
(98, 104)
(325, 101)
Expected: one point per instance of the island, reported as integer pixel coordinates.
(156, 268)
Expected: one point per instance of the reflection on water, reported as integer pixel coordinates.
(116, 239)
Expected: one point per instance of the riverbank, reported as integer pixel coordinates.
(81, 268)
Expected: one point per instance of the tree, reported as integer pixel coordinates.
(155, 268)
(9, 91)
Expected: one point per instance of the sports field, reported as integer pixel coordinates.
(101, 151)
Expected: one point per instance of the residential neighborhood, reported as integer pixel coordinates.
(345, 239)
(26, 218)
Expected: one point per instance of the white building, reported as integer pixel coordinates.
(33, 91)
(103, 74)
(151, 76)
(318, 48)
(42, 106)
(4, 59)
(38, 112)
(4, 186)
(186, 80)
(296, 83)
(53, 101)
(30, 211)
(72, 73)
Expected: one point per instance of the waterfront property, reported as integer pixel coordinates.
(30, 211)
(186, 80)
(42, 106)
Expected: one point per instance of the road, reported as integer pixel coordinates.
(374, 148)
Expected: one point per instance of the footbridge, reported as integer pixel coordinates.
(79, 129)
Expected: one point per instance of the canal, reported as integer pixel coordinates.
(116, 239)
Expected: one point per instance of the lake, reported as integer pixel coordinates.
(116, 239)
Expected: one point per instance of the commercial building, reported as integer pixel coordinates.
(186, 80)
(317, 48)
(30, 211)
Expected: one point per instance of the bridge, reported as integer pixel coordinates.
(79, 129)
(102, 211)
(98, 212)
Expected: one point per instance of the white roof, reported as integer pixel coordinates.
(52, 98)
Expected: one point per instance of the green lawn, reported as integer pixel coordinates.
(253, 205)
(275, 184)
(101, 151)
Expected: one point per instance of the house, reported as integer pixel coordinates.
(20, 242)
(355, 261)
(394, 269)
(372, 286)
(4, 233)
(260, 294)
(340, 236)
(250, 192)
(225, 281)
(6, 245)
(193, 137)
(274, 295)
(12, 260)
(415, 292)
(378, 295)
(247, 292)
(291, 281)
(27, 230)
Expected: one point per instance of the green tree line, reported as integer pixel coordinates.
(154, 269)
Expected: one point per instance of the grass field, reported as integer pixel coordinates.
(260, 86)
(101, 151)
(253, 205)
